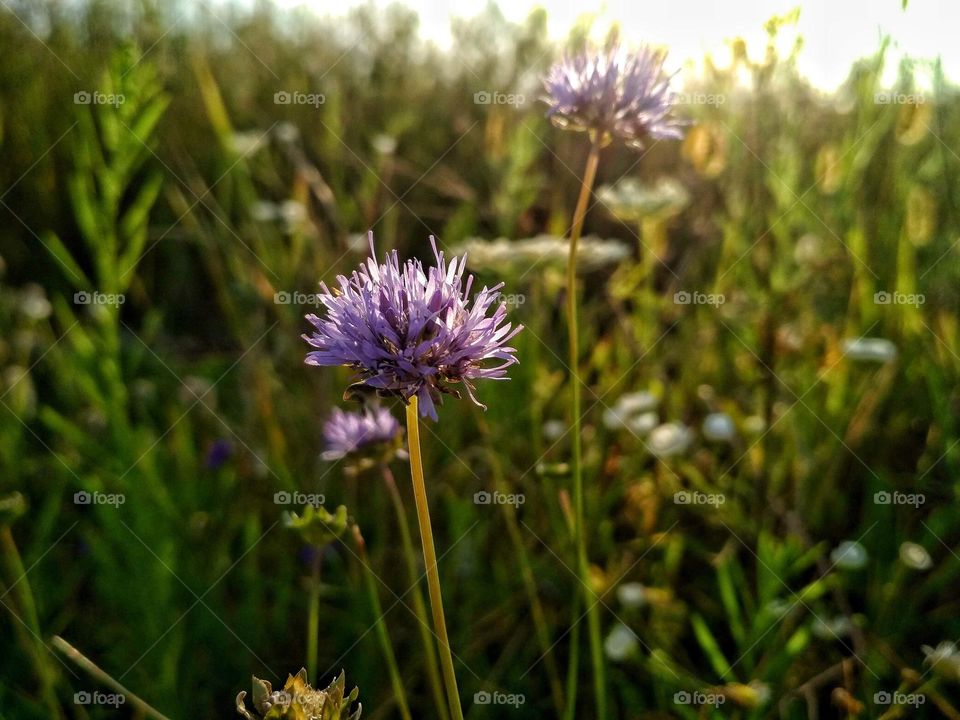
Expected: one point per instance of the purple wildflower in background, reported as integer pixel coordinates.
(348, 432)
(613, 92)
(413, 331)
(218, 452)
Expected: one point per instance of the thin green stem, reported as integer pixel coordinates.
(430, 559)
(526, 572)
(398, 690)
(573, 665)
(46, 674)
(92, 669)
(419, 606)
(313, 619)
(583, 567)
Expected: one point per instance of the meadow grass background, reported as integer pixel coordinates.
(200, 197)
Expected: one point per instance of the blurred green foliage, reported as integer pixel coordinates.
(199, 198)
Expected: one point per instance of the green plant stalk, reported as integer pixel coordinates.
(419, 606)
(573, 664)
(313, 620)
(430, 559)
(144, 708)
(526, 574)
(536, 608)
(398, 691)
(47, 676)
(593, 616)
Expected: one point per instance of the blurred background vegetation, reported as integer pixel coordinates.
(200, 197)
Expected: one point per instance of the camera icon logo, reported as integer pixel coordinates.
(82, 98)
(481, 698)
(82, 498)
(681, 498)
(282, 498)
(881, 98)
(82, 698)
(882, 698)
(682, 297)
(482, 498)
(882, 498)
(81, 298)
(282, 298)
(282, 97)
(882, 297)
(682, 697)
(482, 97)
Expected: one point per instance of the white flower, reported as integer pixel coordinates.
(944, 659)
(915, 556)
(34, 303)
(264, 211)
(621, 643)
(628, 410)
(831, 629)
(292, 212)
(719, 427)
(248, 142)
(543, 250)
(644, 423)
(554, 429)
(286, 132)
(670, 439)
(849, 555)
(384, 144)
(632, 595)
(870, 349)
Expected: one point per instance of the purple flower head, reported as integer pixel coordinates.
(411, 331)
(613, 92)
(350, 432)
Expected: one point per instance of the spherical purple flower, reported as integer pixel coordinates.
(613, 92)
(413, 331)
(350, 432)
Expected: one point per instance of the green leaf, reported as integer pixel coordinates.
(60, 253)
(711, 647)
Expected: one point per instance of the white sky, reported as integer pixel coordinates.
(835, 32)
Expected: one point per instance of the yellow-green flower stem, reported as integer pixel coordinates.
(419, 606)
(430, 559)
(313, 619)
(593, 616)
(381, 625)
